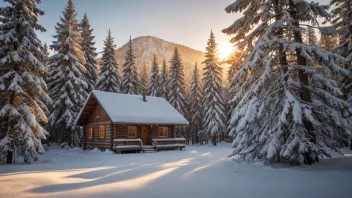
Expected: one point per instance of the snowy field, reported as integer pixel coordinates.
(199, 171)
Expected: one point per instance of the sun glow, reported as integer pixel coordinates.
(225, 50)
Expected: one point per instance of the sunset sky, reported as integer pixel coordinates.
(186, 22)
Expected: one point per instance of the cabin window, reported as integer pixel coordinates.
(90, 133)
(163, 131)
(132, 132)
(101, 132)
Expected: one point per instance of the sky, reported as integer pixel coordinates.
(186, 22)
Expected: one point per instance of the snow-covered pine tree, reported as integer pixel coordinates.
(328, 42)
(68, 88)
(109, 77)
(177, 94)
(196, 111)
(285, 112)
(130, 81)
(234, 61)
(342, 21)
(153, 87)
(90, 53)
(143, 80)
(22, 88)
(213, 120)
(164, 81)
(45, 51)
(309, 37)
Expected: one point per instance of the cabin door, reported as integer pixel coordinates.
(144, 135)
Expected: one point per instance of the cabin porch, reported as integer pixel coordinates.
(121, 145)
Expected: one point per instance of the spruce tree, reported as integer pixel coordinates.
(68, 88)
(309, 37)
(22, 88)
(90, 53)
(130, 82)
(45, 51)
(213, 121)
(164, 81)
(342, 21)
(286, 111)
(153, 87)
(234, 62)
(177, 94)
(143, 80)
(196, 101)
(109, 77)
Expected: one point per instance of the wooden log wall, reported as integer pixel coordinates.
(104, 143)
(98, 118)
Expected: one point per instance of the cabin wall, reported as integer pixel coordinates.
(97, 142)
(120, 131)
(97, 118)
(98, 115)
(171, 132)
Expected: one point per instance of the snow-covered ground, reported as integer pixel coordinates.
(199, 171)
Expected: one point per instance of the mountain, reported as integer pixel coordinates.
(146, 46)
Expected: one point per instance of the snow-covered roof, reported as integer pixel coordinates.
(125, 108)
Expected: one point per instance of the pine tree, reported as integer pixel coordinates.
(109, 77)
(164, 81)
(234, 62)
(130, 83)
(45, 51)
(213, 121)
(143, 80)
(309, 37)
(196, 100)
(153, 88)
(177, 94)
(342, 14)
(285, 112)
(22, 88)
(328, 42)
(90, 54)
(68, 88)
(342, 21)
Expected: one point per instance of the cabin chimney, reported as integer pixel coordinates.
(144, 98)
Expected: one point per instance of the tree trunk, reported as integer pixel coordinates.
(213, 139)
(9, 158)
(280, 33)
(304, 80)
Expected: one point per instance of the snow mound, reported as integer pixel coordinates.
(95, 150)
(108, 152)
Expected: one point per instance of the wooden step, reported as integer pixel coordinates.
(149, 150)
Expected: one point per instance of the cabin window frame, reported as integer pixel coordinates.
(165, 132)
(102, 133)
(128, 132)
(90, 133)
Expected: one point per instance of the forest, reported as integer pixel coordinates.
(287, 97)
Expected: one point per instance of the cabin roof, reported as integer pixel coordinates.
(125, 108)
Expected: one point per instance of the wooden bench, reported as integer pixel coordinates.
(169, 143)
(127, 145)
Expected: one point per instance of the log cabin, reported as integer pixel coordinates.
(122, 122)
